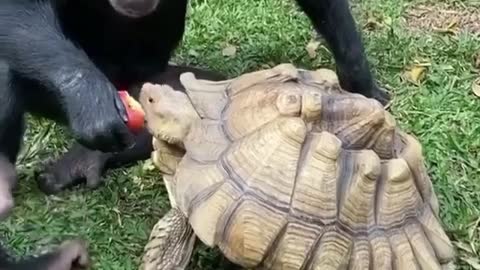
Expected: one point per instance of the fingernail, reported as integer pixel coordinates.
(131, 145)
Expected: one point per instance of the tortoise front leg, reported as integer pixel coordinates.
(171, 243)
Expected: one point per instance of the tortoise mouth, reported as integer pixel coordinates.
(168, 138)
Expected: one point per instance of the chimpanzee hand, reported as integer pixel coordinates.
(77, 165)
(97, 116)
(362, 82)
(71, 255)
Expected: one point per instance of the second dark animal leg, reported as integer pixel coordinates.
(333, 19)
(81, 164)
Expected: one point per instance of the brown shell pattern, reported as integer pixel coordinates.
(287, 171)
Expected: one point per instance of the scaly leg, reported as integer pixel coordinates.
(171, 243)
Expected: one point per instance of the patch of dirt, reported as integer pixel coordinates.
(443, 18)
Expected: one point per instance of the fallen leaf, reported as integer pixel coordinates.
(312, 47)
(476, 60)
(451, 28)
(148, 165)
(476, 87)
(463, 246)
(416, 74)
(193, 53)
(453, 23)
(371, 24)
(230, 50)
(388, 21)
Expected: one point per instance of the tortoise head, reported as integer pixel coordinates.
(169, 114)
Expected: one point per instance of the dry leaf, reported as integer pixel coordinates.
(416, 74)
(148, 165)
(388, 21)
(230, 50)
(453, 23)
(476, 60)
(476, 87)
(463, 246)
(193, 53)
(312, 47)
(371, 24)
(451, 28)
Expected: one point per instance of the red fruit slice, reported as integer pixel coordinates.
(135, 113)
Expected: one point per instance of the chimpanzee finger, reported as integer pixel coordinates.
(75, 251)
(125, 137)
(120, 107)
(104, 142)
(93, 177)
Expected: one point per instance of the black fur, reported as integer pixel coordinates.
(64, 59)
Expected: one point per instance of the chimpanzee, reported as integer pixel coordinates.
(71, 255)
(65, 59)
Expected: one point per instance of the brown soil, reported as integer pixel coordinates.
(443, 18)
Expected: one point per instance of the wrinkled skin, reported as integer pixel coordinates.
(53, 65)
(169, 114)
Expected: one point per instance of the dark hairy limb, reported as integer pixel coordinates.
(333, 19)
(43, 72)
(83, 165)
(64, 72)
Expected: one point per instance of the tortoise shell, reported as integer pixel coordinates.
(285, 170)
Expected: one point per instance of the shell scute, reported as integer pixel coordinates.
(315, 189)
(279, 74)
(250, 231)
(209, 98)
(212, 205)
(356, 207)
(360, 123)
(192, 179)
(398, 198)
(333, 251)
(293, 248)
(206, 141)
(382, 254)
(250, 110)
(361, 255)
(265, 161)
(404, 259)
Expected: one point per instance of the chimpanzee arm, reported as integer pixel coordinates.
(32, 42)
(333, 19)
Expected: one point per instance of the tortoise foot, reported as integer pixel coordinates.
(170, 244)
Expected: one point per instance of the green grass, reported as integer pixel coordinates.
(442, 111)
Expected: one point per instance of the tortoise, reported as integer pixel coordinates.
(283, 169)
